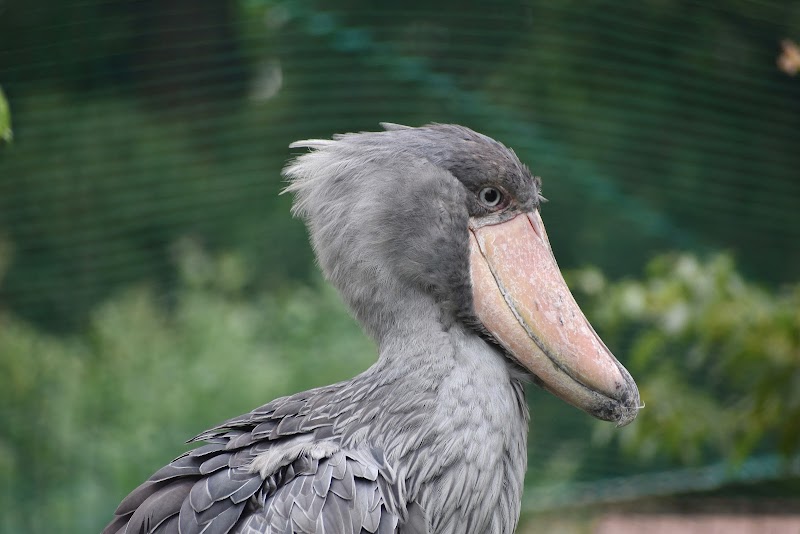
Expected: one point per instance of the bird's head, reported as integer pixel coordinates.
(450, 216)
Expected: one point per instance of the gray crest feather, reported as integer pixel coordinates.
(388, 126)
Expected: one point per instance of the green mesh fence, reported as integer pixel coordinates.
(143, 181)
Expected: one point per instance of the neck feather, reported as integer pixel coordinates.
(450, 413)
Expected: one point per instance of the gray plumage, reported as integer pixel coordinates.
(430, 439)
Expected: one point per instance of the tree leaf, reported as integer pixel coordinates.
(6, 135)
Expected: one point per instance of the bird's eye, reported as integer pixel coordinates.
(490, 197)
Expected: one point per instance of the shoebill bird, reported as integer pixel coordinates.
(433, 238)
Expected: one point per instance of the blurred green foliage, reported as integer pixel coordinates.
(6, 134)
(119, 186)
(88, 416)
(717, 358)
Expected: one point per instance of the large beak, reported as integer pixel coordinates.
(522, 300)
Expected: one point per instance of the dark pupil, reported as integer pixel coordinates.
(490, 196)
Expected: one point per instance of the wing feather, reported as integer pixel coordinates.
(246, 490)
(333, 499)
(159, 507)
(324, 490)
(215, 463)
(170, 526)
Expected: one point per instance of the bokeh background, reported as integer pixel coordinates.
(153, 283)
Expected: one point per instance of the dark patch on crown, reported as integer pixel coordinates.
(475, 160)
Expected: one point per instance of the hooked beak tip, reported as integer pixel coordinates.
(624, 409)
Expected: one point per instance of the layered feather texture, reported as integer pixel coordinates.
(273, 470)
